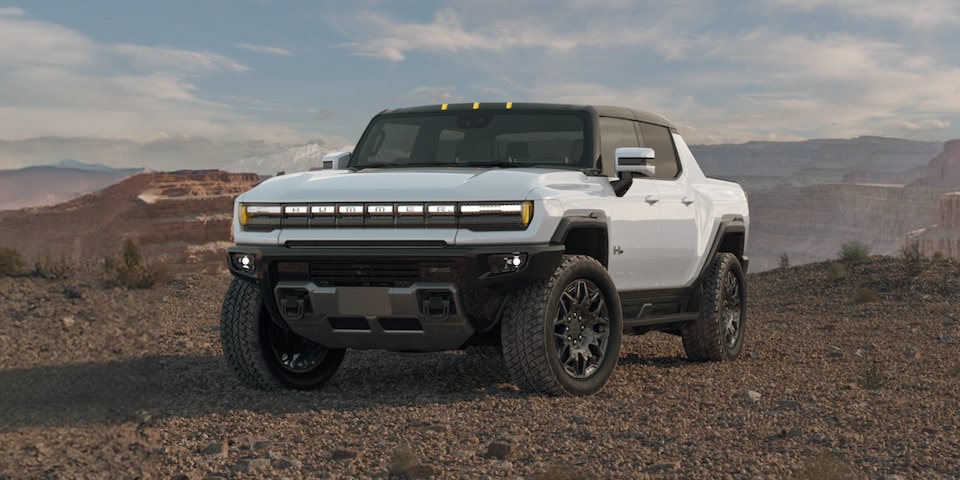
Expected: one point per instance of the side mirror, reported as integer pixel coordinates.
(335, 161)
(636, 160)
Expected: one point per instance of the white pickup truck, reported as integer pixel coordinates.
(543, 232)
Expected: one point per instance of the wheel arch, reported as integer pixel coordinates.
(731, 238)
(584, 234)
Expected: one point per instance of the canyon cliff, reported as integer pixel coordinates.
(180, 217)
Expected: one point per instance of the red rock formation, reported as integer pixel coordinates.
(944, 169)
(172, 215)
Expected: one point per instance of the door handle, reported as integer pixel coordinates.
(686, 200)
(651, 199)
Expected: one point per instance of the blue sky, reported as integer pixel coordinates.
(249, 77)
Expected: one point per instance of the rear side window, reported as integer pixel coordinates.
(614, 133)
(659, 139)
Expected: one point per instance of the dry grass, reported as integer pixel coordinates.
(402, 458)
(825, 467)
(54, 268)
(837, 271)
(912, 260)
(872, 375)
(129, 270)
(11, 263)
(554, 472)
(865, 295)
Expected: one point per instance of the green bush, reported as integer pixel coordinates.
(854, 251)
(11, 263)
(130, 271)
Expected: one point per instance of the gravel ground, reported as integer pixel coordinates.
(853, 377)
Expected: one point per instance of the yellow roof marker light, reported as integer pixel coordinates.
(443, 107)
(476, 105)
(509, 105)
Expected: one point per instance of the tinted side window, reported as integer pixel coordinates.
(615, 132)
(659, 139)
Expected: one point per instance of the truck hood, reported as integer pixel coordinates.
(413, 185)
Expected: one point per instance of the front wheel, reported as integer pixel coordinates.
(264, 355)
(562, 336)
(718, 332)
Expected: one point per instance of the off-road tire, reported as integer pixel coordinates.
(253, 345)
(722, 308)
(532, 346)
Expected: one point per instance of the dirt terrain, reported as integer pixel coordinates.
(846, 375)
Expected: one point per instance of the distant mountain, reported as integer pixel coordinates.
(759, 165)
(43, 185)
(297, 159)
(75, 164)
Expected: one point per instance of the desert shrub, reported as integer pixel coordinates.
(825, 467)
(129, 270)
(872, 375)
(11, 263)
(784, 261)
(554, 472)
(912, 260)
(402, 458)
(855, 251)
(837, 271)
(865, 295)
(938, 256)
(54, 268)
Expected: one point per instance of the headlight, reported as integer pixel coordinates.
(496, 216)
(260, 217)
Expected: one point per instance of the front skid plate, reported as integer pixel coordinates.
(367, 317)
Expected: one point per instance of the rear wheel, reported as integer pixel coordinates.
(718, 333)
(562, 336)
(264, 355)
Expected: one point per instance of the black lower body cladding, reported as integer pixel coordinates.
(401, 298)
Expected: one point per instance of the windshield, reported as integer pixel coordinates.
(475, 139)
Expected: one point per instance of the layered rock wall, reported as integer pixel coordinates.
(942, 238)
(810, 223)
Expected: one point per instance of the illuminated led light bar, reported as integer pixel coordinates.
(350, 210)
(296, 210)
(323, 209)
(501, 209)
(442, 209)
(255, 210)
(380, 210)
(410, 210)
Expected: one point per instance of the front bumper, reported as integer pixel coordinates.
(399, 298)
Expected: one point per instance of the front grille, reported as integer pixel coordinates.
(364, 274)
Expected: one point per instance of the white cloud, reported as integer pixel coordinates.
(55, 81)
(186, 60)
(426, 94)
(263, 49)
(390, 40)
(918, 14)
(11, 12)
(32, 43)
